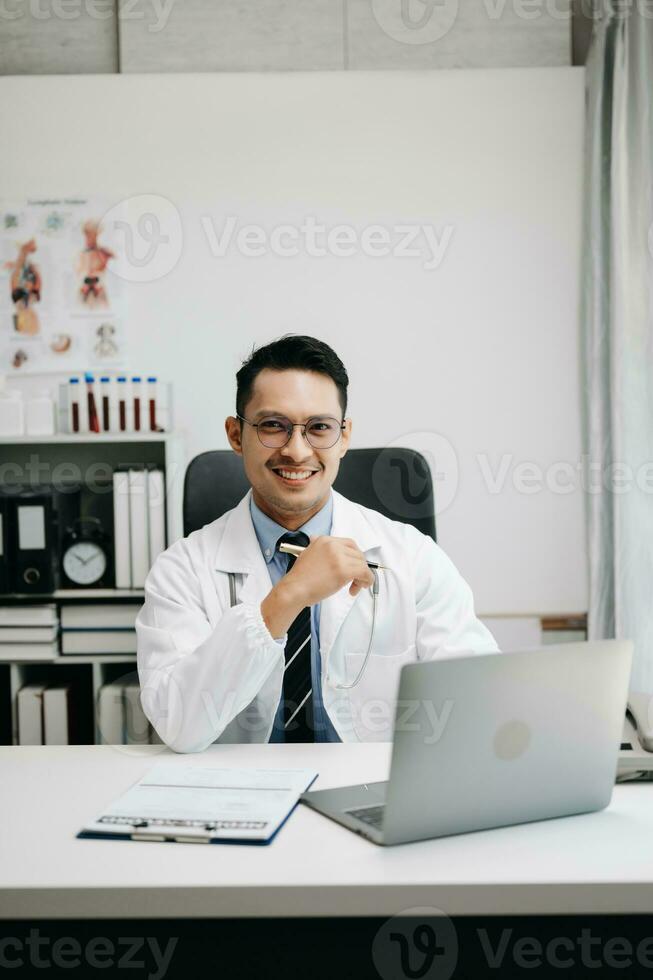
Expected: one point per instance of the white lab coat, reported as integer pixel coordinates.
(212, 672)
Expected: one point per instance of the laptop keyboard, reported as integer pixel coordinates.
(371, 815)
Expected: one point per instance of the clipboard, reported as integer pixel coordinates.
(203, 805)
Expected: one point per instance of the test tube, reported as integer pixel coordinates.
(136, 395)
(122, 404)
(93, 418)
(73, 402)
(151, 403)
(105, 388)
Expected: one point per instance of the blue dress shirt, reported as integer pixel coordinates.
(268, 533)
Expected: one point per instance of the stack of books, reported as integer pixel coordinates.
(29, 632)
(44, 716)
(98, 628)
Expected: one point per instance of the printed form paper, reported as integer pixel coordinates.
(244, 804)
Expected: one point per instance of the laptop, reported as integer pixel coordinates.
(489, 740)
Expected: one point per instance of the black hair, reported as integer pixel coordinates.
(292, 351)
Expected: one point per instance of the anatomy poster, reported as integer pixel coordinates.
(61, 308)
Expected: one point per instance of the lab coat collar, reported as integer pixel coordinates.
(239, 550)
(268, 531)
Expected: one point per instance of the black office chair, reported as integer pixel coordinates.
(395, 482)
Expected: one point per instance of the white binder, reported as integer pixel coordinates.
(156, 508)
(121, 530)
(30, 714)
(56, 715)
(110, 714)
(138, 521)
(137, 727)
(121, 719)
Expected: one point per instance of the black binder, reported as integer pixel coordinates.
(33, 541)
(4, 544)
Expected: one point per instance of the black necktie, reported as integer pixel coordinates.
(297, 713)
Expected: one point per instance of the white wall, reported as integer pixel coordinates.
(479, 355)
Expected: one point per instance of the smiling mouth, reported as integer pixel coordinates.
(288, 476)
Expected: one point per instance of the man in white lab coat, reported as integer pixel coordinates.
(241, 642)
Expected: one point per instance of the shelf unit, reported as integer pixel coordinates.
(86, 676)
(78, 438)
(128, 448)
(87, 673)
(71, 595)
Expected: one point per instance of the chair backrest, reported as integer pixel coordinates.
(396, 482)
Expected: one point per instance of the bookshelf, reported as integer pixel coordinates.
(86, 676)
(71, 595)
(78, 438)
(82, 454)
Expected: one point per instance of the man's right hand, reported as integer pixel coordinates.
(321, 570)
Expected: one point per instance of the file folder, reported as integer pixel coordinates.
(137, 727)
(4, 545)
(56, 714)
(30, 714)
(110, 714)
(138, 524)
(35, 548)
(156, 510)
(121, 530)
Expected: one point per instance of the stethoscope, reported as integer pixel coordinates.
(374, 592)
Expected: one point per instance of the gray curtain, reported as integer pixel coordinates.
(617, 330)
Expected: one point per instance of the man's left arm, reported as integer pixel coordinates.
(446, 622)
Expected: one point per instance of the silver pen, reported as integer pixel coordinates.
(296, 550)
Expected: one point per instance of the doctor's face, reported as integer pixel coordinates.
(289, 483)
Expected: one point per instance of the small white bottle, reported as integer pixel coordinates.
(164, 407)
(12, 413)
(39, 415)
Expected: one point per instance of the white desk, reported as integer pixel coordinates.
(595, 864)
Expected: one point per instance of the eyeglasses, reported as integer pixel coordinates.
(275, 431)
